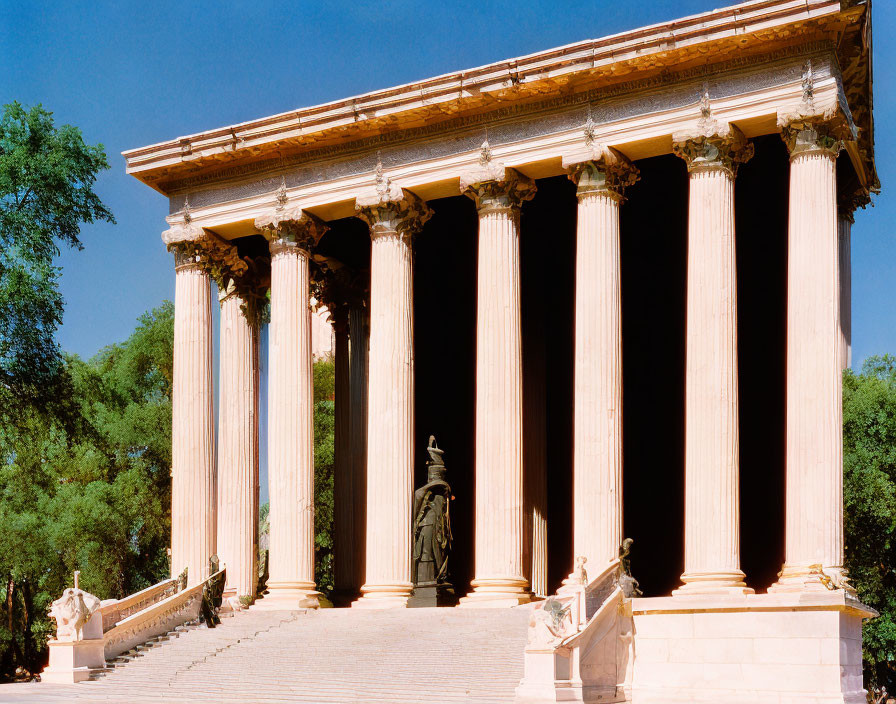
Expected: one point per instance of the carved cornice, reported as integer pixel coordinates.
(600, 170)
(390, 210)
(704, 39)
(492, 186)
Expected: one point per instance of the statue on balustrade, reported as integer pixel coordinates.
(432, 535)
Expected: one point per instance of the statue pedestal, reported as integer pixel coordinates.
(73, 661)
(432, 595)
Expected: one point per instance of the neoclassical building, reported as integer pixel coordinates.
(613, 279)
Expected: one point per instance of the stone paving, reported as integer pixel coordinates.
(333, 655)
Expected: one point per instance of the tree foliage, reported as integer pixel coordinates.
(47, 174)
(869, 461)
(92, 493)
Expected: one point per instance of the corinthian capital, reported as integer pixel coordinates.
(713, 146)
(291, 228)
(494, 187)
(598, 169)
(390, 209)
(814, 136)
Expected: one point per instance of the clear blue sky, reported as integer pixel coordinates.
(134, 73)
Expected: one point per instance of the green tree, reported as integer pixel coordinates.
(869, 461)
(324, 451)
(47, 174)
(91, 493)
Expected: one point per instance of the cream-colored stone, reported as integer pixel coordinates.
(712, 503)
(290, 407)
(238, 449)
(499, 574)
(814, 460)
(597, 440)
(394, 216)
(193, 471)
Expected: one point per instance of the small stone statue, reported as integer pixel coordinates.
(73, 611)
(432, 534)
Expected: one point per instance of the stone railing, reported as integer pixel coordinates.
(115, 610)
(579, 643)
(157, 619)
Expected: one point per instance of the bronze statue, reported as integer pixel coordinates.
(432, 534)
(212, 593)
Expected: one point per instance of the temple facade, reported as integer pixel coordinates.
(613, 278)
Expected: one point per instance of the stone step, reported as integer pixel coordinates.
(329, 656)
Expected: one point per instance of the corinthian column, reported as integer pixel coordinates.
(499, 580)
(601, 176)
(192, 423)
(290, 411)
(238, 445)
(814, 514)
(712, 506)
(394, 215)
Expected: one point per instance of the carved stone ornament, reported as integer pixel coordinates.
(495, 187)
(291, 227)
(850, 201)
(723, 147)
(73, 611)
(391, 210)
(549, 624)
(809, 136)
(196, 247)
(598, 169)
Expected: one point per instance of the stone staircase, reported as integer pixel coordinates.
(331, 655)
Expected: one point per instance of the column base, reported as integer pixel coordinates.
(811, 578)
(730, 583)
(384, 596)
(288, 598)
(497, 593)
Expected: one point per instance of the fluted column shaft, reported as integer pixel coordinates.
(193, 522)
(597, 440)
(393, 216)
(390, 428)
(712, 502)
(844, 223)
(359, 341)
(814, 457)
(343, 483)
(238, 448)
(290, 430)
(499, 571)
(597, 443)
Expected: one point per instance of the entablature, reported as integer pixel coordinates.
(637, 119)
